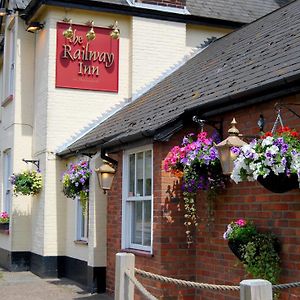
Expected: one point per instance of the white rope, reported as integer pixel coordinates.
(140, 287)
(186, 283)
(278, 287)
(215, 287)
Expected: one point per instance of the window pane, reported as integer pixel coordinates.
(140, 173)
(148, 173)
(147, 223)
(137, 224)
(131, 175)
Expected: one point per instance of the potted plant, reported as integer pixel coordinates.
(197, 163)
(4, 220)
(273, 160)
(258, 251)
(26, 182)
(76, 182)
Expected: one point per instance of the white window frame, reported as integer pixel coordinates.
(80, 218)
(10, 54)
(7, 186)
(127, 200)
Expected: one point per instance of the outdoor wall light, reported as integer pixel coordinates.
(34, 27)
(91, 35)
(115, 33)
(224, 148)
(105, 175)
(5, 12)
(68, 33)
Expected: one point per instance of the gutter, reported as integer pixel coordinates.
(98, 6)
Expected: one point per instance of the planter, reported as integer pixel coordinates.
(4, 226)
(279, 183)
(235, 247)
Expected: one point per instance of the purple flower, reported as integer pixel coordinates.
(284, 148)
(235, 150)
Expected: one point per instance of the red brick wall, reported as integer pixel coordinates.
(209, 258)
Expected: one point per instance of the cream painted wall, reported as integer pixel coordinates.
(156, 45)
(197, 34)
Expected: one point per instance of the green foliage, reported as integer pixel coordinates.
(244, 233)
(261, 257)
(27, 183)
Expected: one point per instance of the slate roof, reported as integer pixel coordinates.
(241, 11)
(262, 54)
(233, 10)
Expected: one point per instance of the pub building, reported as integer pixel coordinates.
(118, 82)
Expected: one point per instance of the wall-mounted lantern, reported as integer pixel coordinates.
(227, 157)
(34, 27)
(5, 12)
(105, 176)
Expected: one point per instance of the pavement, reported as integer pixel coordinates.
(25, 286)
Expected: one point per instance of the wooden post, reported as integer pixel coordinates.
(124, 288)
(256, 289)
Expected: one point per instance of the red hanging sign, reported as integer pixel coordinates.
(87, 65)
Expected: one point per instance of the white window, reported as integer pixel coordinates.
(7, 187)
(10, 56)
(137, 199)
(82, 221)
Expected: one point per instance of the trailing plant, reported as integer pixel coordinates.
(26, 182)
(4, 217)
(261, 257)
(258, 251)
(196, 162)
(76, 182)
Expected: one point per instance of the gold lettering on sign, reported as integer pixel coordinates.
(85, 56)
(88, 70)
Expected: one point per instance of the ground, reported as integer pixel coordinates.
(25, 285)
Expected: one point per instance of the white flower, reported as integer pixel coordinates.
(273, 149)
(267, 141)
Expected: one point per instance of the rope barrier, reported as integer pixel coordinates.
(186, 283)
(279, 287)
(140, 287)
(215, 287)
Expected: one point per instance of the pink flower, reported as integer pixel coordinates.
(240, 222)
(202, 135)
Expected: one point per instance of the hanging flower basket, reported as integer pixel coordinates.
(76, 182)
(280, 183)
(273, 160)
(27, 183)
(259, 252)
(236, 248)
(196, 162)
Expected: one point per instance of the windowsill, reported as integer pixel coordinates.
(81, 242)
(4, 231)
(7, 100)
(137, 252)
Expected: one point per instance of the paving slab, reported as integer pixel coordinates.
(25, 285)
